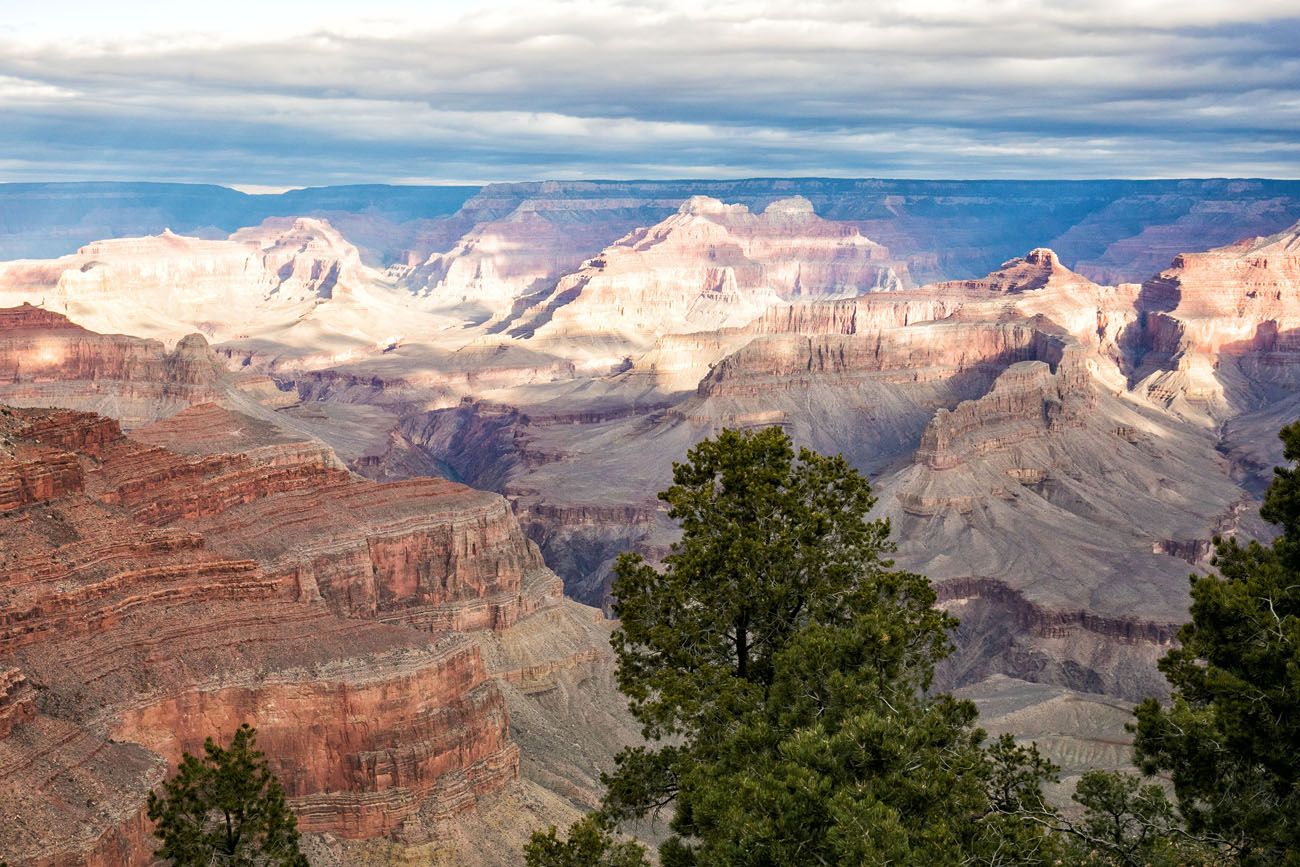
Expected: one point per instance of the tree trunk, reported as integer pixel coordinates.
(742, 646)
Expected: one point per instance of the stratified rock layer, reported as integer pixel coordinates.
(1222, 328)
(152, 599)
(46, 360)
(1054, 453)
(1019, 472)
(709, 266)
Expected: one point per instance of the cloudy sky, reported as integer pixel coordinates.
(281, 93)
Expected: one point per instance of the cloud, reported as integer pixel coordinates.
(289, 94)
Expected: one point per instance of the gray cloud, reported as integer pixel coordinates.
(1002, 88)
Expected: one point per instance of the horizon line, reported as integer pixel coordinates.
(262, 189)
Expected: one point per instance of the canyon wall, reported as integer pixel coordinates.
(993, 415)
(153, 599)
(47, 360)
(1112, 231)
(708, 267)
(1222, 328)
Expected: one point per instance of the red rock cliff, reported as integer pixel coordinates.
(151, 599)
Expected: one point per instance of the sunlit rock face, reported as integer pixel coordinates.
(298, 261)
(708, 267)
(988, 410)
(1038, 269)
(47, 360)
(523, 252)
(1222, 328)
(1055, 453)
(994, 414)
(157, 285)
(226, 476)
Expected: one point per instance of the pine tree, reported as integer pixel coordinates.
(1231, 736)
(778, 664)
(589, 844)
(226, 808)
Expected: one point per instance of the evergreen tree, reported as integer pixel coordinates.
(778, 664)
(1231, 737)
(1131, 823)
(226, 808)
(589, 845)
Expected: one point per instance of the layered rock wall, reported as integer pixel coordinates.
(1221, 329)
(1028, 399)
(710, 266)
(917, 354)
(47, 360)
(154, 599)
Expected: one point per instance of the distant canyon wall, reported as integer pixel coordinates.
(1112, 231)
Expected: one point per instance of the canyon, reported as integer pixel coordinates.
(214, 569)
(369, 499)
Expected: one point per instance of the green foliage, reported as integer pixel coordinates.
(1231, 736)
(1129, 823)
(770, 545)
(589, 845)
(225, 808)
(881, 785)
(778, 665)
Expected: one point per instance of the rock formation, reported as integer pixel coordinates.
(709, 266)
(47, 360)
(521, 253)
(1018, 471)
(1222, 328)
(260, 281)
(152, 599)
(1037, 269)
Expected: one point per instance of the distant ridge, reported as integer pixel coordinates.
(43, 220)
(1108, 230)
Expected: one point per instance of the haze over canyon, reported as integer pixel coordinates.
(353, 463)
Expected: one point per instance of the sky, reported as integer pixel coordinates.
(277, 93)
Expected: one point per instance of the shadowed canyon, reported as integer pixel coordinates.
(354, 464)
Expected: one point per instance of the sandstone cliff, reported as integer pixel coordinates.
(152, 599)
(1055, 453)
(1222, 328)
(46, 360)
(515, 255)
(993, 414)
(288, 287)
(707, 267)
